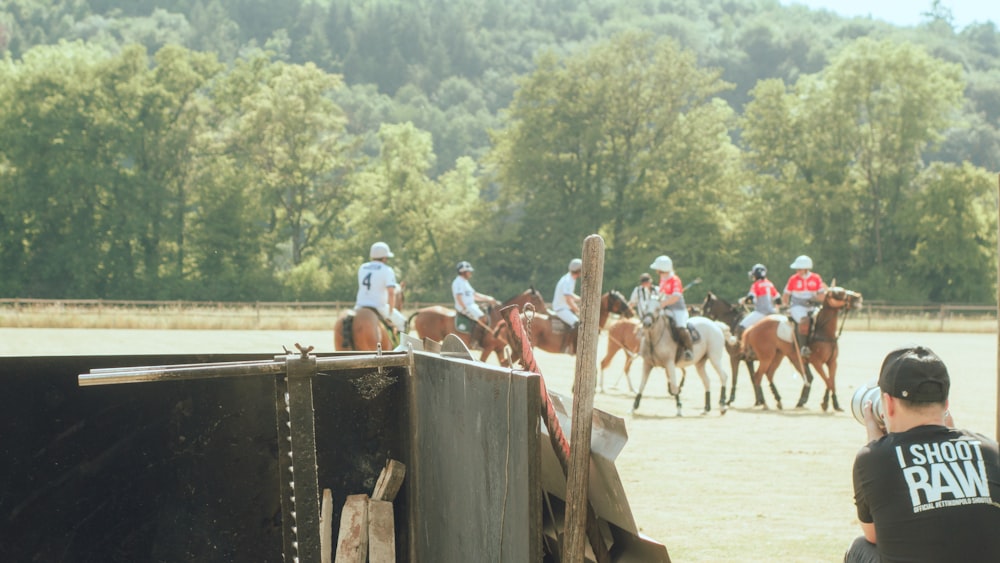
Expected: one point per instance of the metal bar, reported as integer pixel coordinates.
(180, 374)
(285, 485)
(227, 369)
(304, 474)
(175, 366)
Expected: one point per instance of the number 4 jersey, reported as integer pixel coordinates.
(374, 278)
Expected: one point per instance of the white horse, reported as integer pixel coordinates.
(658, 349)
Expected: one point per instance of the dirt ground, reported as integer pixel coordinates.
(750, 485)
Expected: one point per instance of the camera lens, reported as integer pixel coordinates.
(869, 392)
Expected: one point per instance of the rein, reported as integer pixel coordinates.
(845, 306)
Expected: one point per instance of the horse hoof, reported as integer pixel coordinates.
(838, 409)
(778, 404)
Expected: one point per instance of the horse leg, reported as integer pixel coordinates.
(628, 378)
(777, 396)
(646, 368)
(700, 366)
(673, 388)
(734, 365)
(755, 379)
(832, 382)
(612, 350)
(806, 387)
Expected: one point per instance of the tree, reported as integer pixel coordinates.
(290, 135)
(951, 234)
(839, 152)
(425, 221)
(625, 140)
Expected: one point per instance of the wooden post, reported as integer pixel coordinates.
(998, 308)
(578, 474)
(389, 481)
(352, 542)
(326, 527)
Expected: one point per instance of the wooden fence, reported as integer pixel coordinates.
(872, 316)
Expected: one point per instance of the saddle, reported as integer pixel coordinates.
(463, 323)
(795, 330)
(559, 327)
(695, 335)
(676, 335)
(347, 328)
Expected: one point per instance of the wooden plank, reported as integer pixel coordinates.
(352, 543)
(578, 471)
(389, 481)
(381, 532)
(326, 527)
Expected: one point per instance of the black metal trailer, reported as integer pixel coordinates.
(224, 457)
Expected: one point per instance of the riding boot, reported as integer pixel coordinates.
(685, 335)
(803, 328)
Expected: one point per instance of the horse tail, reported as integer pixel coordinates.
(406, 326)
(727, 333)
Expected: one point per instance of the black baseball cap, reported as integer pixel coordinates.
(915, 373)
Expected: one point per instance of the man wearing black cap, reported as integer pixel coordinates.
(924, 491)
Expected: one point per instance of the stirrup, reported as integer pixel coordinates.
(688, 355)
(805, 351)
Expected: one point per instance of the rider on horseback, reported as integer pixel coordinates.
(467, 299)
(377, 288)
(566, 303)
(643, 296)
(762, 295)
(672, 300)
(801, 292)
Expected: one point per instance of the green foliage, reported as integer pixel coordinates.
(251, 149)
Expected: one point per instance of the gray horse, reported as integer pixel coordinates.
(658, 349)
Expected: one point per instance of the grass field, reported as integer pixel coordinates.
(749, 486)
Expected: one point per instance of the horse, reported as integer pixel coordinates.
(368, 329)
(625, 335)
(436, 322)
(659, 349)
(775, 336)
(719, 310)
(542, 330)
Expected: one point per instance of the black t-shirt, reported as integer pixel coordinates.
(933, 494)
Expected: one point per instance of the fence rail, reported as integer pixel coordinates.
(23, 312)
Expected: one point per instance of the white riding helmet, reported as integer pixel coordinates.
(380, 250)
(464, 266)
(802, 263)
(663, 264)
(575, 265)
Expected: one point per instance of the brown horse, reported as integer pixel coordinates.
(544, 335)
(436, 322)
(773, 338)
(368, 330)
(624, 335)
(720, 310)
